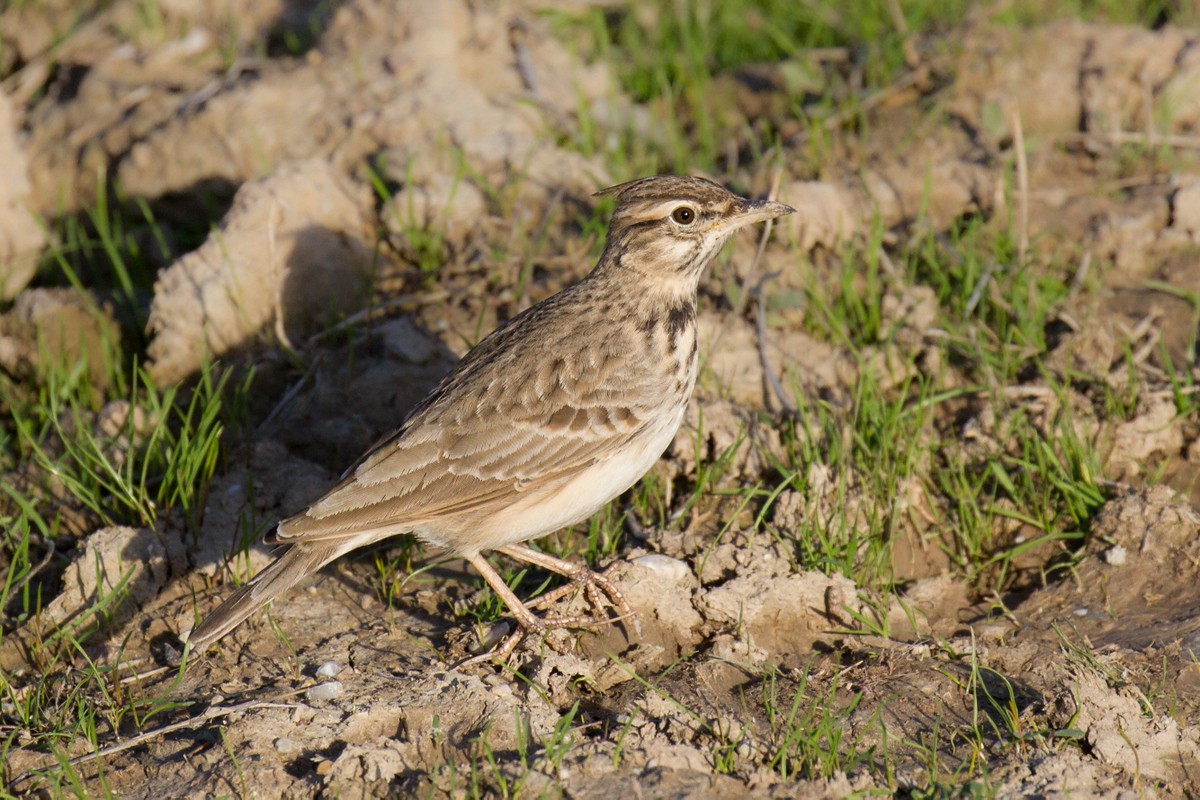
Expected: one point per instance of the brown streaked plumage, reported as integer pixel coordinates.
(543, 422)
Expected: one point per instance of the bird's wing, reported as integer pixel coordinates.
(518, 412)
(433, 471)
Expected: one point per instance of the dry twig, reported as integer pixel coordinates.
(207, 715)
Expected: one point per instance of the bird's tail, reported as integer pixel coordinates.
(285, 572)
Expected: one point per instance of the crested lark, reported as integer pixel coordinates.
(542, 423)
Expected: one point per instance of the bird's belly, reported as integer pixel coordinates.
(545, 509)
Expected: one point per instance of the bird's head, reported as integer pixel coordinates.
(671, 226)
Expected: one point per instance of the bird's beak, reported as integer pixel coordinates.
(748, 212)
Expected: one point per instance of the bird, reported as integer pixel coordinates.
(538, 426)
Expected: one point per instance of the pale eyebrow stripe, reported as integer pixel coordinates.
(659, 210)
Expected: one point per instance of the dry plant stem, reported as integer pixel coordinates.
(138, 677)
(980, 288)
(1022, 185)
(1085, 266)
(868, 102)
(207, 715)
(273, 260)
(292, 393)
(404, 303)
(1133, 137)
(35, 570)
(760, 330)
(1147, 329)
(1146, 350)
(1145, 326)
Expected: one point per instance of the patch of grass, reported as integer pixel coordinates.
(1003, 723)
(421, 243)
(1046, 481)
(670, 55)
(533, 764)
(806, 729)
(860, 461)
(395, 567)
(1083, 654)
(92, 441)
(995, 310)
(851, 467)
(159, 458)
(66, 695)
(1184, 390)
(112, 251)
(852, 313)
(55, 709)
(675, 56)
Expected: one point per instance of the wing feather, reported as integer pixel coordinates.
(506, 420)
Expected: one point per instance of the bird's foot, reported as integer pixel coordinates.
(593, 583)
(530, 626)
(597, 587)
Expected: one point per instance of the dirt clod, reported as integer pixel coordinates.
(291, 251)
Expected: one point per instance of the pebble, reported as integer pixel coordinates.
(329, 669)
(494, 636)
(667, 567)
(330, 690)
(285, 745)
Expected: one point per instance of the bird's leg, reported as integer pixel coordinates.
(527, 621)
(580, 576)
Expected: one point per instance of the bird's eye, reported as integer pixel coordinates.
(684, 215)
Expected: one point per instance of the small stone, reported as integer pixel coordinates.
(920, 650)
(1115, 555)
(329, 669)
(495, 636)
(330, 690)
(284, 745)
(662, 565)
(994, 632)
